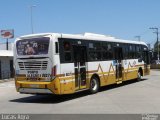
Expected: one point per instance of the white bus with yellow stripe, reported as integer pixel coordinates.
(54, 63)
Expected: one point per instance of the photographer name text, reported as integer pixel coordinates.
(14, 117)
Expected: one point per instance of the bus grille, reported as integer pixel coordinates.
(33, 65)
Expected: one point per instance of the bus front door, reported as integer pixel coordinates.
(118, 64)
(80, 57)
(146, 62)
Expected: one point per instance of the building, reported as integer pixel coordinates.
(6, 61)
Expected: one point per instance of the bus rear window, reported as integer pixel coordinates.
(34, 46)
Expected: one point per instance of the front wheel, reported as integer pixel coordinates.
(139, 77)
(94, 85)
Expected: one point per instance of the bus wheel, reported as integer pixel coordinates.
(94, 85)
(139, 77)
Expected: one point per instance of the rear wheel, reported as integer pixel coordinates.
(94, 85)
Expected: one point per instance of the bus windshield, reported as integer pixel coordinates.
(34, 46)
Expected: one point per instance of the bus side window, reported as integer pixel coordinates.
(139, 52)
(130, 51)
(95, 51)
(104, 51)
(56, 47)
(133, 51)
(110, 51)
(125, 51)
(67, 51)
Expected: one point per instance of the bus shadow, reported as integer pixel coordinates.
(114, 86)
(54, 99)
(44, 99)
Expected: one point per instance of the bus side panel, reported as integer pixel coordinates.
(63, 84)
(67, 85)
(55, 86)
(110, 78)
(130, 69)
(105, 71)
(131, 74)
(67, 80)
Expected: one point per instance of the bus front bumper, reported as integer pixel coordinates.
(37, 87)
(35, 91)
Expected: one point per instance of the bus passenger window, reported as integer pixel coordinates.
(56, 47)
(95, 51)
(138, 52)
(67, 56)
(130, 52)
(110, 55)
(67, 51)
(91, 56)
(67, 46)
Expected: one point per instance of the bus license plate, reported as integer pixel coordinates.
(34, 86)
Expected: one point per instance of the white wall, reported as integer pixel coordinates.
(5, 61)
(5, 67)
(3, 46)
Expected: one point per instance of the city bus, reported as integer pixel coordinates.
(54, 63)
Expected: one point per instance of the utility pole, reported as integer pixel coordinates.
(7, 44)
(138, 37)
(156, 31)
(31, 7)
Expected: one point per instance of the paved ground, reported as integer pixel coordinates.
(6, 80)
(131, 97)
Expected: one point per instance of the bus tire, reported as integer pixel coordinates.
(139, 76)
(94, 85)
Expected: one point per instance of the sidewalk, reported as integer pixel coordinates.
(6, 80)
(155, 69)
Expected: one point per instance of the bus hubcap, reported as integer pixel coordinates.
(94, 84)
(139, 76)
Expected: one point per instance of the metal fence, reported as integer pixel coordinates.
(155, 66)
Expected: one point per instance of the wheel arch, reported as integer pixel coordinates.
(97, 76)
(140, 70)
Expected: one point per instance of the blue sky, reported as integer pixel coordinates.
(120, 18)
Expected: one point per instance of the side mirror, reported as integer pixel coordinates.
(139, 59)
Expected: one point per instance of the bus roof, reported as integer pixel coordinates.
(86, 36)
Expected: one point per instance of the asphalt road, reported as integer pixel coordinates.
(128, 98)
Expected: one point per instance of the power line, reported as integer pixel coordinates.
(144, 32)
(139, 36)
